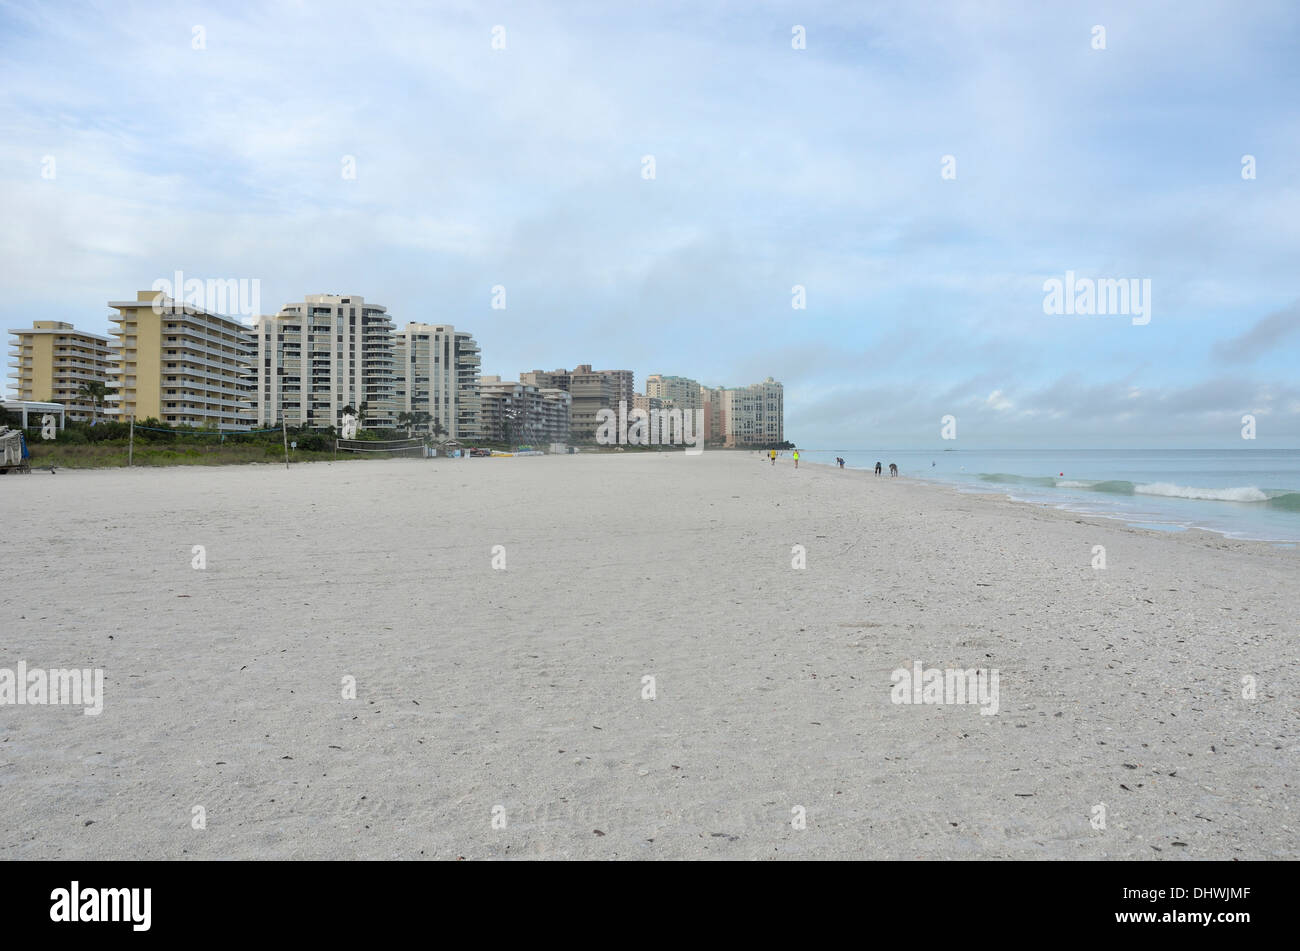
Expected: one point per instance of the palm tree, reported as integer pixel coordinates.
(406, 420)
(95, 391)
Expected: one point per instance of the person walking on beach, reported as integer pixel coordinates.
(877, 468)
(771, 454)
(796, 458)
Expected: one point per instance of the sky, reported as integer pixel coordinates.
(919, 169)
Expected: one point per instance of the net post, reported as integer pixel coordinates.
(130, 447)
(284, 429)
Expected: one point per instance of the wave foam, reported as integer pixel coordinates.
(1244, 493)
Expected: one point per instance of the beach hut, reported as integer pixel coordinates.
(450, 448)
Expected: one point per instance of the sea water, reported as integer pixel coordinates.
(1239, 493)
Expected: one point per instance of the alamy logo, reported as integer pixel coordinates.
(103, 904)
(233, 297)
(946, 686)
(655, 427)
(38, 687)
(1104, 297)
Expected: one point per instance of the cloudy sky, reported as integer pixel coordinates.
(773, 167)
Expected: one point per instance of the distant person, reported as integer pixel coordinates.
(796, 458)
(840, 460)
(877, 467)
(771, 454)
(893, 470)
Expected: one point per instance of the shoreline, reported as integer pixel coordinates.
(1064, 509)
(1188, 533)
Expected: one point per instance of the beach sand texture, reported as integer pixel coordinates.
(522, 688)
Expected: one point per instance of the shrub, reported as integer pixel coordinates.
(103, 431)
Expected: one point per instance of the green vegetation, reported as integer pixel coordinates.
(95, 392)
(105, 444)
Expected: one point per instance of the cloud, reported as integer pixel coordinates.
(1266, 333)
(1064, 410)
(997, 401)
(775, 167)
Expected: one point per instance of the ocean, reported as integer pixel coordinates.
(1239, 493)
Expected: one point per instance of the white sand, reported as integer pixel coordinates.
(522, 688)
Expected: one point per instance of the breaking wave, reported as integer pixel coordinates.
(1276, 498)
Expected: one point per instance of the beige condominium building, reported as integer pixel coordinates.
(715, 414)
(523, 414)
(754, 415)
(179, 364)
(52, 361)
(320, 355)
(647, 404)
(591, 391)
(675, 392)
(436, 371)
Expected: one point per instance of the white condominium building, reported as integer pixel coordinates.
(436, 371)
(468, 401)
(316, 357)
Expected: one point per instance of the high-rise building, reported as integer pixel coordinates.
(436, 372)
(646, 403)
(591, 390)
(555, 379)
(522, 414)
(624, 390)
(468, 399)
(318, 356)
(557, 408)
(754, 415)
(715, 414)
(676, 392)
(53, 360)
(179, 364)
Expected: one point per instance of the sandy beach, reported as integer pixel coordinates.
(502, 713)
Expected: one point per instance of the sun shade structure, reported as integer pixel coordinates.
(31, 408)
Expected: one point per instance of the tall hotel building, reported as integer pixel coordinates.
(436, 371)
(51, 361)
(179, 364)
(318, 356)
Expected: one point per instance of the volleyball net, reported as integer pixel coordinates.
(413, 448)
